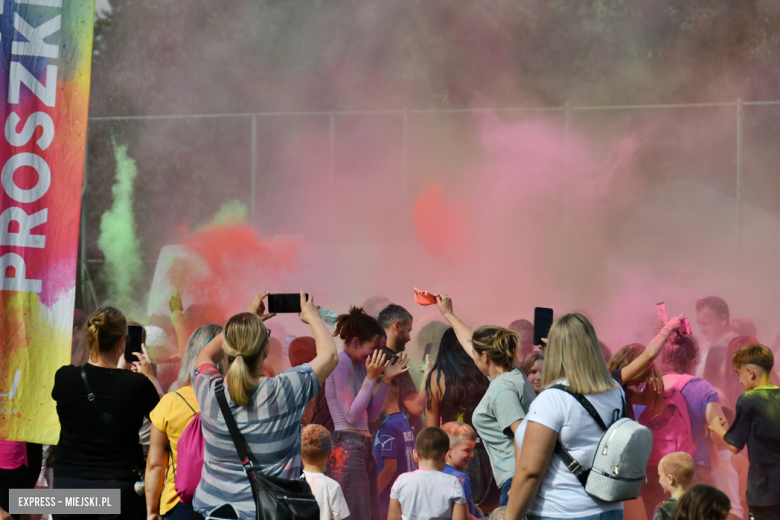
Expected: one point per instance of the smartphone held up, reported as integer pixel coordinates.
(543, 320)
(285, 303)
(135, 337)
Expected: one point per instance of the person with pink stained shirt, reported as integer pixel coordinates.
(356, 393)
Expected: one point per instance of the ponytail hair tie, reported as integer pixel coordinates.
(240, 356)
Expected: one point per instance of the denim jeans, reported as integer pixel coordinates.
(505, 493)
(353, 466)
(608, 515)
(180, 512)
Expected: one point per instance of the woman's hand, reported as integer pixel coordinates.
(174, 303)
(673, 324)
(396, 368)
(309, 312)
(258, 307)
(428, 366)
(144, 364)
(445, 304)
(375, 365)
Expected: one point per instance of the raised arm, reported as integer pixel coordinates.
(212, 352)
(462, 332)
(354, 406)
(653, 350)
(327, 356)
(179, 322)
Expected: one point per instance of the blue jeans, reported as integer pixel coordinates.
(505, 493)
(608, 515)
(180, 512)
(353, 466)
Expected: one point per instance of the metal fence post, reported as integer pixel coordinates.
(331, 146)
(405, 169)
(566, 216)
(739, 171)
(253, 186)
(83, 259)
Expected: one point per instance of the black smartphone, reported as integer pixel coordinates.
(285, 303)
(135, 336)
(543, 320)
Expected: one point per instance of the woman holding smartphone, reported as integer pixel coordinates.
(505, 404)
(98, 446)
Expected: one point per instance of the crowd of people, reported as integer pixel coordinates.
(475, 437)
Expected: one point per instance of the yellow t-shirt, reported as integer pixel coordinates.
(171, 416)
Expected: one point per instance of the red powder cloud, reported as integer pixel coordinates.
(440, 224)
(239, 263)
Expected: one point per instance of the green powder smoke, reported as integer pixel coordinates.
(118, 238)
(232, 213)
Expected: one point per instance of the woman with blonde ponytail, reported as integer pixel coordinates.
(508, 398)
(98, 446)
(267, 410)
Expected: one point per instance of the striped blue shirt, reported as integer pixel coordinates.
(270, 425)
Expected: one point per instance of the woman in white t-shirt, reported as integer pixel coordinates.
(543, 487)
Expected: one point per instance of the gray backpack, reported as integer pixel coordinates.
(618, 468)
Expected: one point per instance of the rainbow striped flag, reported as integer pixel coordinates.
(46, 65)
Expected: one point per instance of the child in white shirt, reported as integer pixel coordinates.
(315, 450)
(428, 494)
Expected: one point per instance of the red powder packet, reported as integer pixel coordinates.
(685, 326)
(424, 297)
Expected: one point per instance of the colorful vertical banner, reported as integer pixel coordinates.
(44, 90)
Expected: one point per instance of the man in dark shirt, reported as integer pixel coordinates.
(397, 323)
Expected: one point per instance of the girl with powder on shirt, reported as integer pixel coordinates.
(354, 400)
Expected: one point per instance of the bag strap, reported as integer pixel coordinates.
(587, 405)
(574, 466)
(91, 398)
(235, 434)
(188, 403)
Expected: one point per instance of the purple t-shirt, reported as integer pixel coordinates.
(698, 393)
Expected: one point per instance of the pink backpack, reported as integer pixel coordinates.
(672, 428)
(189, 455)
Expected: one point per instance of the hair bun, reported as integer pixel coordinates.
(354, 312)
(99, 321)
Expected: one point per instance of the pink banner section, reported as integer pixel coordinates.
(46, 60)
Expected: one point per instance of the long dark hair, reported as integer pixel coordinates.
(462, 378)
(703, 502)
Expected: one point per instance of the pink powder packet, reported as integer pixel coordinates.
(424, 297)
(661, 306)
(685, 326)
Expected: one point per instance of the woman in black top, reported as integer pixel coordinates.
(98, 447)
(454, 388)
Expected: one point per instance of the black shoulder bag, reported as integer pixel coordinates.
(275, 498)
(108, 420)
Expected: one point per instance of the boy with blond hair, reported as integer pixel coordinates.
(428, 493)
(315, 450)
(463, 439)
(675, 473)
(757, 426)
